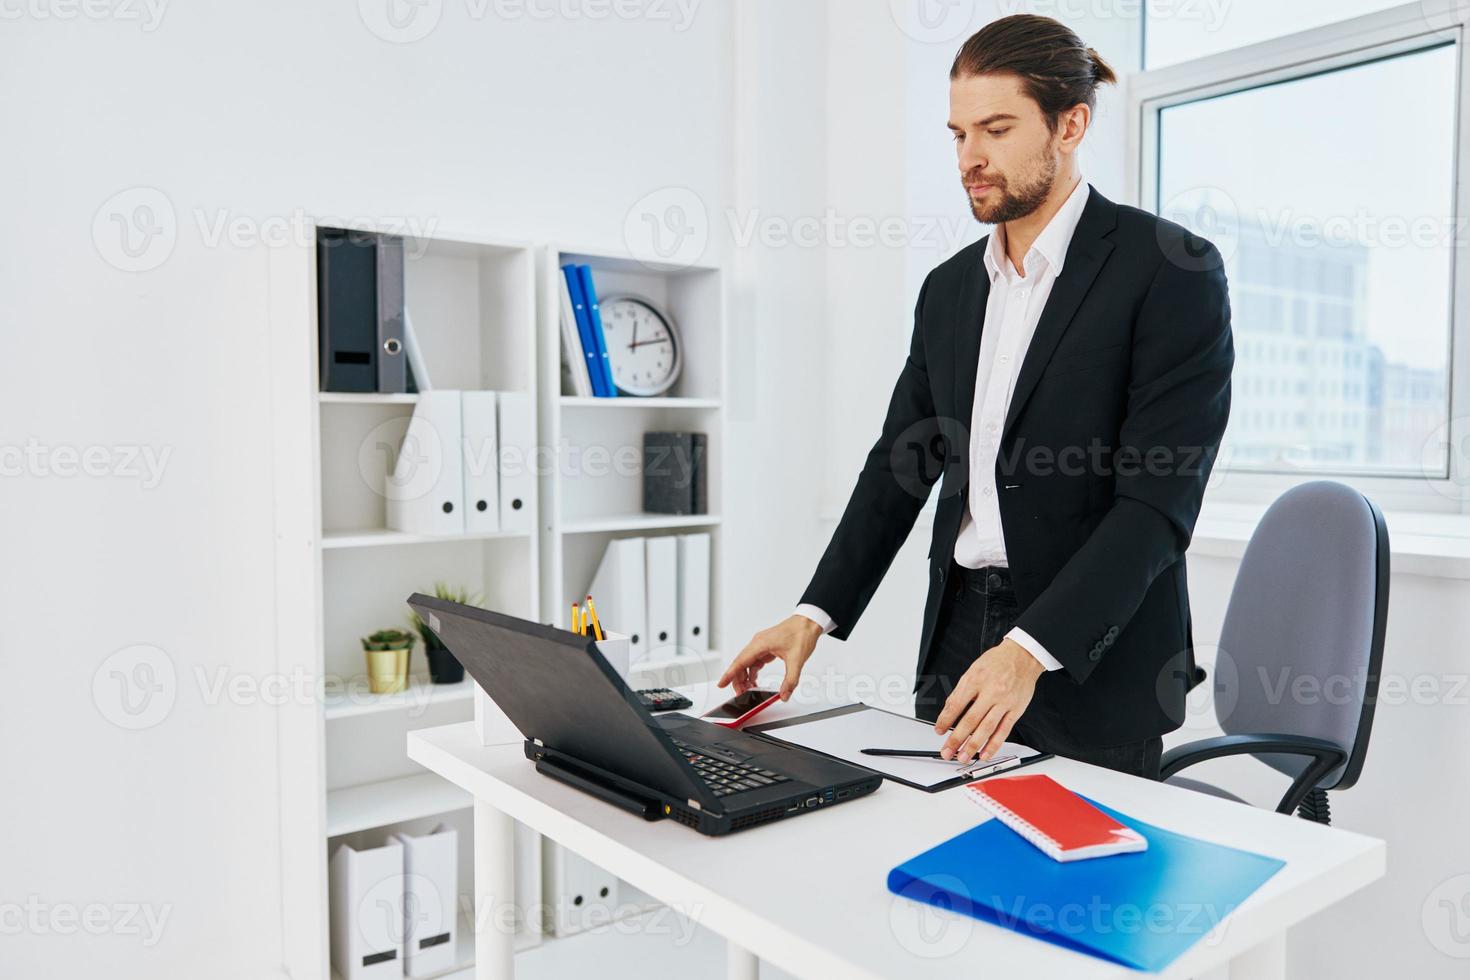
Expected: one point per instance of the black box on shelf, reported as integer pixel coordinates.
(675, 473)
(360, 303)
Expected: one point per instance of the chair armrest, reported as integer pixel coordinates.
(1326, 756)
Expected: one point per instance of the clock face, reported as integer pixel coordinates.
(642, 346)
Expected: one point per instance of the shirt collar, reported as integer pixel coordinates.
(1051, 244)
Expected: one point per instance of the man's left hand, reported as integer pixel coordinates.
(996, 690)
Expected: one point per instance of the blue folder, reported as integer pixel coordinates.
(594, 312)
(1142, 910)
(584, 328)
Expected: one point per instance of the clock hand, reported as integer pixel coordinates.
(645, 343)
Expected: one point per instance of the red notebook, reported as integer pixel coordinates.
(1058, 821)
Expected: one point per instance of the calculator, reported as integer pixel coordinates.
(663, 699)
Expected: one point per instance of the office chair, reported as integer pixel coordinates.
(1311, 596)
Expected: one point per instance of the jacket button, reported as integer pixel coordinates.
(993, 580)
(940, 573)
(1112, 632)
(1095, 655)
(1098, 647)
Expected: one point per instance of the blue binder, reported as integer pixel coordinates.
(594, 312)
(1142, 910)
(584, 328)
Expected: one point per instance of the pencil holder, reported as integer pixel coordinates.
(616, 650)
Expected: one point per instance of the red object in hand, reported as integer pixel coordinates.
(741, 708)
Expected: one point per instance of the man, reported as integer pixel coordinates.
(1067, 384)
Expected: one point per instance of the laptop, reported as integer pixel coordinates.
(585, 727)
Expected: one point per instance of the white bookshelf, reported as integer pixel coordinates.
(473, 306)
(485, 315)
(585, 506)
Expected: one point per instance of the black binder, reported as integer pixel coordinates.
(675, 474)
(360, 302)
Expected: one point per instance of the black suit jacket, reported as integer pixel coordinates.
(1113, 427)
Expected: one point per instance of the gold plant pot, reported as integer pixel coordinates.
(387, 670)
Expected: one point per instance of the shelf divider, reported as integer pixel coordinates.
(392, 801)
(355, 700)
(630, 402)
(379, 537)
(366, 398)
(637, 522)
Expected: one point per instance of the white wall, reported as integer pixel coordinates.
(777, 342)
(266, 112)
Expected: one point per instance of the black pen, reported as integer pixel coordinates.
(904, 753)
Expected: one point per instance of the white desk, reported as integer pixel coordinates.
(808, 894)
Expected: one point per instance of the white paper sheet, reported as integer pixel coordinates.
(844, 736)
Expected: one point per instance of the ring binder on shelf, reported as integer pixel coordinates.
(367, 912)
(478, 415)
(430, 900)
(426, 489)
(360, 311)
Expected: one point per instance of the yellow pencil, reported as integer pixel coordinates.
(596, 626)
(576, 621)
(583, 610)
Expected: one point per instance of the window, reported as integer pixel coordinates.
(1330, 196)
(1179, 30)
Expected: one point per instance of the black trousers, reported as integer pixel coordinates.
(979, 608)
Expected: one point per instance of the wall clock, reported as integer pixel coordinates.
(643, 345)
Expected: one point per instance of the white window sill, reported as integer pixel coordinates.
(1436, 545)
(1429, 544)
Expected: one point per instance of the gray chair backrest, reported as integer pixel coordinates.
(1304, 628)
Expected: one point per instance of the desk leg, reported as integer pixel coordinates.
(1264, 962)
(740, 963)
(495, 882)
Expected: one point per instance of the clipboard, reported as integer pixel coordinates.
(840, 733)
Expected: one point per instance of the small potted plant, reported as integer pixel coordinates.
(444, 668)
(387, 660)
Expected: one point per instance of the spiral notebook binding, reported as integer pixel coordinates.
(1120, 839)
(1020, 825)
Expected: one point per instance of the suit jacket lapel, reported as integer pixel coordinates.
(971, 319)
(1085, 257)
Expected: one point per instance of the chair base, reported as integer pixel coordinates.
(1314, 807)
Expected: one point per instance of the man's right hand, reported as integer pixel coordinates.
(792, 640)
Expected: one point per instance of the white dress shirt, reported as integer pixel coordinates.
(1011, 312)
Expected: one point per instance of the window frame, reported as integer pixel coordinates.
(1343, 44)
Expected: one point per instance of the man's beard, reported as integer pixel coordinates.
(1022, 200)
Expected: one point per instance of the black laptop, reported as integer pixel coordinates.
(585, 727)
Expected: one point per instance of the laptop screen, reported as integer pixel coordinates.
(555, 687)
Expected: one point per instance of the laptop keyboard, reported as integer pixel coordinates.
(726, 777)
